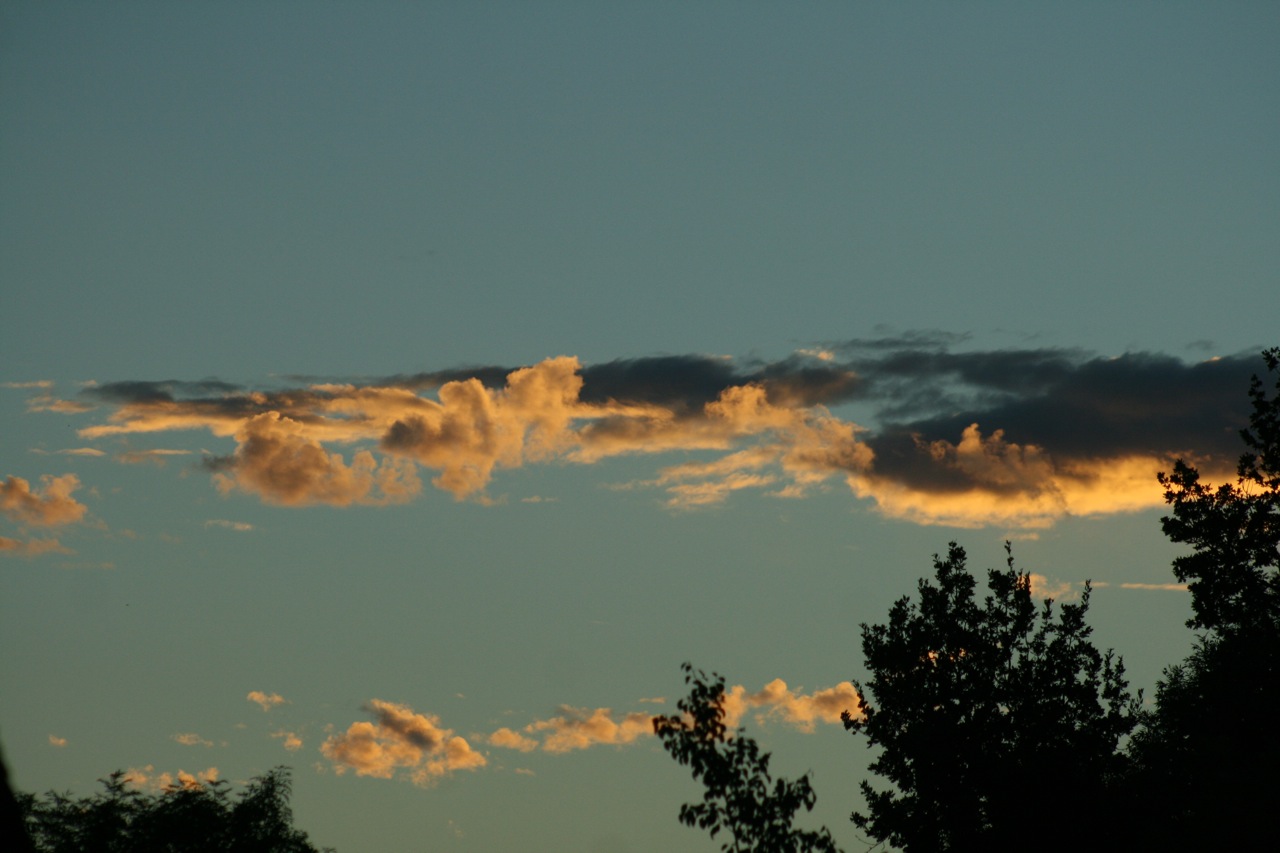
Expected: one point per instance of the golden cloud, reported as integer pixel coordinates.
(400, 740)
(50, 507)
(265, 701)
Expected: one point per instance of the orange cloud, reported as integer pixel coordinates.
(279, 462)
(146, 777)
(54, 740)
(265, 701)
(578, 728)
(400, 740)
(292, 742)
(192, 739)
(776, 701)
(32, 547)
(52, 508)
(1020, 486)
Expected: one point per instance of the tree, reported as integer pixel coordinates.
(203, 818)
(987, 712)
(742, 797)
(1207, 754)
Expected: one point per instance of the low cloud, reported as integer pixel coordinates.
(46, 403)
(147, 778)
(192, 739)
(402, 743)
(266, 701)
(49, 506)
(59, 742)
(1018, 438)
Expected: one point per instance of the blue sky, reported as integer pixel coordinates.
(757, 270)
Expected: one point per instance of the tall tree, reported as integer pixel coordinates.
(742, 797)
(987, 713)
(1208, 752)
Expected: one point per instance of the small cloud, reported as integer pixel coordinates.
(400, 739)
(524, 771)
(656, 700)
(538, 499)
(237, 526)
(1170, 587)
(1043, 587)
(147, 777)
(192, 739)
(158, 457)
(292, 741)
(31, 547)
(265, 701)
(81, 451)
(59, 742)
(106, 566)
(46, 403)
(36, 383)
(508, 739)
(819, 354)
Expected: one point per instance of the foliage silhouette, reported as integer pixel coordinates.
(1207, 753)
(741, 796)
(203, 818)
(978, 706)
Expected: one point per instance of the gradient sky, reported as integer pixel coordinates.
(402, 391)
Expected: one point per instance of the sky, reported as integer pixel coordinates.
(401, 392)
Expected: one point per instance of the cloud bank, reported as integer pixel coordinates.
(1018, 437)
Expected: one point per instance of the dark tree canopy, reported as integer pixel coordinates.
(1234, 568)
(1208, 752)
(202, 818)
(741, 797)
(984, 709)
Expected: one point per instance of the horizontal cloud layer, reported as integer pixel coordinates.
(1017, 438)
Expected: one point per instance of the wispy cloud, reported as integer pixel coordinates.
(35, 383)
(266, 701)
(156, 456)
(237, 526)
(290, 740)
(400, 742)
(32, 547)
(47, 403)
(59, 742)
(1017, 438)
(49, 506)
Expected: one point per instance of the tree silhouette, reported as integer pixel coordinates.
(741, 796)
(1207, 753)
(202, 818)
(979, 706)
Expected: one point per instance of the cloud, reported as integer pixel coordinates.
(266, 701)
(401, 742)
(32, 547)
(37, 383)
(1018, 438)
(778, 702)
(292, 742)
(47, 403)
(49, 507)
(581, 728)
(279, 462)
(157, 457)
(1043, 587)
(192, 739)
(59, 742)
(147, 777)
(1170, 587)
(237, 526)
